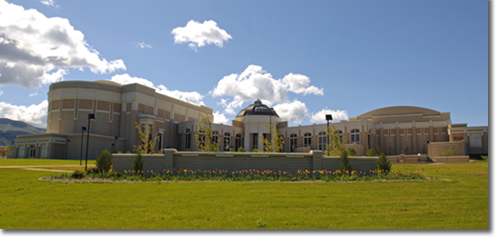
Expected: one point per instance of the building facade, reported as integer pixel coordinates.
(118, 109)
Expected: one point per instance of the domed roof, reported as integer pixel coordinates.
(257, 109)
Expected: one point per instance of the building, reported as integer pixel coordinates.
(119, 108)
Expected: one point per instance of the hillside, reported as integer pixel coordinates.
(10, 129)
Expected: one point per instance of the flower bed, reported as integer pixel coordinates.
(247, 175)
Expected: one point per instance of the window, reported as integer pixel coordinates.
(322, 141)
(293, 142)
(226, 141)
(475, 140)
(188, 139)
(341, 137)
(238, 141)
(255, 141)
(355, 136)
(215, 137)
(307, 139)
(32, 151)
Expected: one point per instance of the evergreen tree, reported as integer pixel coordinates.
(371, 152)
(104, 161)
(383, 164)
(352, 152)
(346, 164)
(138, 165)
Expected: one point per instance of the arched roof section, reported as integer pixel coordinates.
(398, 110)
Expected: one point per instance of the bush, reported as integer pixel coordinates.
(116, 174)
(255, 150)
(371, 152)
(104, 162)
(352, 152)
(138, 165)
(241, 149)
(231, 150)
(346, 164)
(383, 164)
(92, 171)
(77, 175)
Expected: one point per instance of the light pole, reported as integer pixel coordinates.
(90, 116)
(82, 133)
(114, 145)
(328, 118)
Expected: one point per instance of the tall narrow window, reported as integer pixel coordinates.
(355, 136)
(341, 136)
(255, 141)
(322, 141)
(226, 141)
(188, 139)
(293, 142)
(238, 141)
(215, 137)
(307, 139)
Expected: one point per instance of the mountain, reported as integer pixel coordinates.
(10, 129)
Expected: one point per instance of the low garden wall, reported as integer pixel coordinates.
(450, 159)
(173, 159)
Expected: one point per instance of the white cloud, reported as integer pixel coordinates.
(143, 45)
(199, 34)
(33, 94)
(255, 83)
(337, 115)
(220, 118)
(190, 97)
(1, 92)
(294, 112)
(50, 3)
(34, 114)
(36, 50)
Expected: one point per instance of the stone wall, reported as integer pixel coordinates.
(172, 159)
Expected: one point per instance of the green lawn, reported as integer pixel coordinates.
(462, 202)
(31, 162)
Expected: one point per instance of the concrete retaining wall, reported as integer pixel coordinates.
(172, 159)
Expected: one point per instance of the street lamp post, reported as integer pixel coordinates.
(90, 116)
(114, 145)
(328, 118)
(82, 133)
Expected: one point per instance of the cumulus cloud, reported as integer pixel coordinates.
(190, 97)
(255, 83)
(50, 3)
(33, 94)
(294, 112)
(220, 118)
(143, 45)
(35, 50)
(33, 114)
(200, 34)
(337, 115)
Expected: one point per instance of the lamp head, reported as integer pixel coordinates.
(329, 117)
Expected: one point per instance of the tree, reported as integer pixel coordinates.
(147, 143)
(138, 165)
(371, 152)
(352, 152)
(5, 150)
(276, 143)
(204, 138)
(104, 161)
(383, 164)
(336, 146)
(449, 152)
(345, 163)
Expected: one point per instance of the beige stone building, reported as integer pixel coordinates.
(118, 108)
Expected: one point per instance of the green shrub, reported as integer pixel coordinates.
(383, 164)
(231, 150)
(449, 152)
(119, 152)
(345, 163)
(77, 175)
(104, 162)
(138, 165)
(241, 149)
(255, 150)
(116, 174)
(352, 152)
(485, 158)
(371, 152)
(92, 171)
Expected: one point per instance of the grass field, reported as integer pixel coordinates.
(461, 203)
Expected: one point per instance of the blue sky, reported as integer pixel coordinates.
(304, 58)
